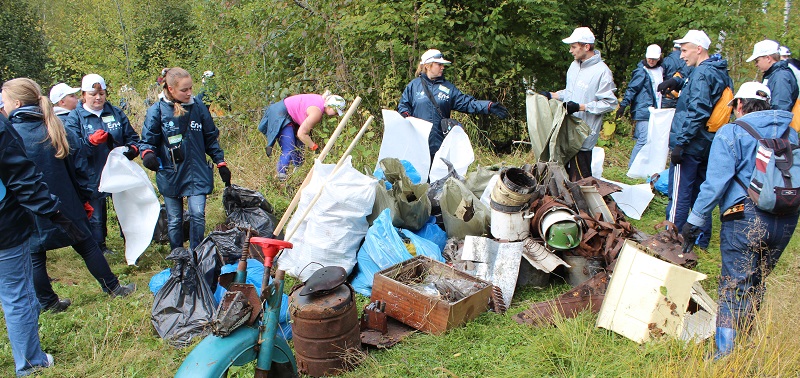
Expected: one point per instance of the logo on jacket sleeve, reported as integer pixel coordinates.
(196, 126)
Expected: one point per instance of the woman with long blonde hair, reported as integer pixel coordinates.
(57, 152)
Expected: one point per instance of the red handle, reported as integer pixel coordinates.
(270, 247)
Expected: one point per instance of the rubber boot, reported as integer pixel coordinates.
(724, 339)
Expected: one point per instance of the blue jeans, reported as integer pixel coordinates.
(684, 186)
(197, 220)
(291, 148)
(640, 134)
(750, 248)
(20, 307)
(92, 257)
(97, 223)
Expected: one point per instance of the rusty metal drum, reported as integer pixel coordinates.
(325, 329)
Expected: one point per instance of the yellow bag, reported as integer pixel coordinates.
(795, 124)
(721, 114)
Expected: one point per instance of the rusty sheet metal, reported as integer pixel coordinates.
(666, 245)
(540, 258)
(588, 295)
(494, 262)
(603, 187)
(395, 333)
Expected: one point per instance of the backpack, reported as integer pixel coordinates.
(721, 114)
(775, 182)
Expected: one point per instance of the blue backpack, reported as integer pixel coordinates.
(775, 182)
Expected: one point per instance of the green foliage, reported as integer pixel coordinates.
(23, 48)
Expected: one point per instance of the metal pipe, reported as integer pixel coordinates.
(333, 173)
(321, 157)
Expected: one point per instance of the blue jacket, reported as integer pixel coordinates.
(415, 103)
(26, 193)
(67, 178)
(673, 63)
(115, 122)
(782, 86)
(639, 95)
(275, 118)
(195, 135)
(700, 92)
(733, 154)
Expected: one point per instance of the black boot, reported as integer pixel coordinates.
(59, 305)
(123, 290)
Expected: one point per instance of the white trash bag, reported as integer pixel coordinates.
(406, 139)
(653, 156)
(135, 202)
(457, 149)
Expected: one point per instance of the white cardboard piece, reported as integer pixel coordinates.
(653, 156)
(495, 262)
(647, 296)
(457, 149)
(406, 139)
(135, 202)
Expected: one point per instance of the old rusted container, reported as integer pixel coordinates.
(325, 330)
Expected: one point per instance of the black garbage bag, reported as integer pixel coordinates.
(255, 218)
(183, 307)
(238, 197)
(217, 249)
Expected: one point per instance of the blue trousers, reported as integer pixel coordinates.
(640, 135)
(684, 186)
(197, 220)
(750, 248)
(20, 307)
(92, 257)
(291, 148)
(97, 223)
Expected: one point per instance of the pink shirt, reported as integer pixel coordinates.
(298, 104)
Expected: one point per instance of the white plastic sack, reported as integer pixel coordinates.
(135, 202)
(406, 139)
(632, 199)
(332, 232)
(457, 149)
(486, 197)
(598, 157)
(653, 156)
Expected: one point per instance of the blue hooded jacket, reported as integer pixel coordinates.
(415, 103)
(195, 135)
(112, 120)
(68, 178)
(673, 63)
(733, 154)
(782, 86)
(700, 92)
(26, 193)
(640, 95)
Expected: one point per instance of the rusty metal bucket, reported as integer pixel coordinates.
(326, 332)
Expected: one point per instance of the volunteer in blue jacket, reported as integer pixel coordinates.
(674, 66)
(178, 133)
(778, 77)
(751, 240)
(23, 194)
(641, 95)
(689, 136)
(56, 152)
(429, 86)
(101, 127)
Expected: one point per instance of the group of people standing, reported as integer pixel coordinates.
(52, 154)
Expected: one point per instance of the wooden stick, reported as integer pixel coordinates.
(322, 155)
(333, 173)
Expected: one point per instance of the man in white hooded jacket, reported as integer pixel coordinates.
(588, 95)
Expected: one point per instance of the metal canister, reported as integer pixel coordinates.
(325, 331)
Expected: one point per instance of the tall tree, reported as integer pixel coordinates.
(23, 47)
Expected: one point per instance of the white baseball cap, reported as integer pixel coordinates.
(764, 48)
(698, 37)
(653, 52)
(754, 90)
(784, 51)
(60, 91)
(336, 102)
(433, 56)
(676, 45)
(580, 35)
(88, 82)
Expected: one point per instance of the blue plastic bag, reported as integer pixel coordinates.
(383, 247)
(662, 185)
(411, 173)
(431, 231)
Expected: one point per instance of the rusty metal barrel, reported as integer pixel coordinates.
(326, 334)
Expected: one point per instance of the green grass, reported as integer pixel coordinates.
(101, 337)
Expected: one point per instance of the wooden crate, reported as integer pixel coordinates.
(425, 313)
